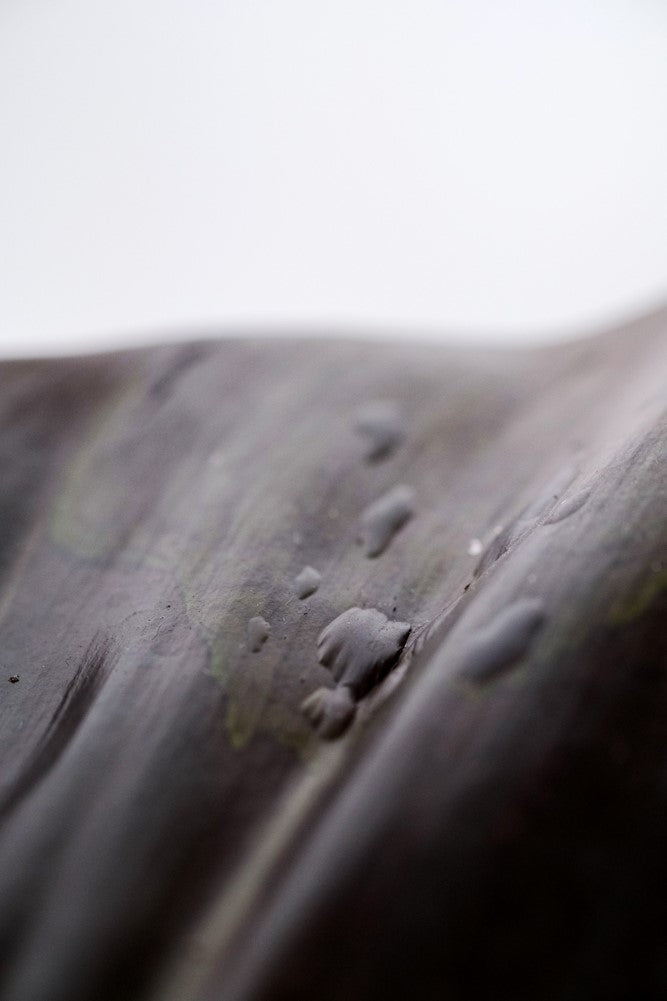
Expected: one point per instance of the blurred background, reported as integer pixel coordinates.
(460, 169)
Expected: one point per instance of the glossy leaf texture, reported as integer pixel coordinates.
(487, 812)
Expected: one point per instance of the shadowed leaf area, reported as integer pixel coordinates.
(218, 784)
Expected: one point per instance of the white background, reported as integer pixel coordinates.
(460, 168)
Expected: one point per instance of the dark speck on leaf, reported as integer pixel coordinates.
(14, 678)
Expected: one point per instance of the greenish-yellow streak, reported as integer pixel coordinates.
(634, 607)
(248, 690)
(82, 522)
